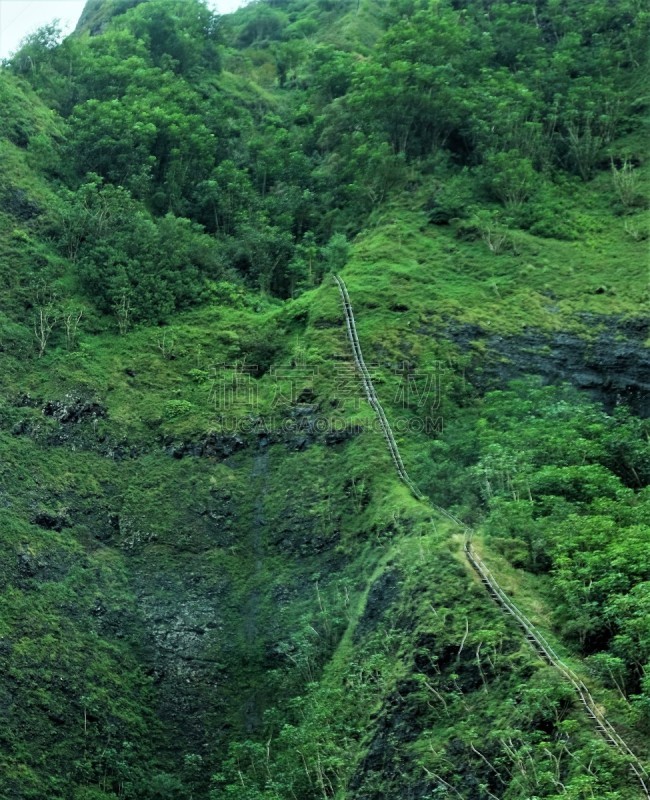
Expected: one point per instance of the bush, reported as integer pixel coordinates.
(125, 257)
(510, 178)
(625, 180)
(452, 200)
(177, 408)
(488, 226)
(550, 216)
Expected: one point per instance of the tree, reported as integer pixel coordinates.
(131, 264)
(35, 49)
(510, 178)
(263, 251)
(181, 35)
(45, 318)
(225, 198)
(335, 253)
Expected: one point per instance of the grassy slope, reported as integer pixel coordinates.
(152, 544)
(433, 277)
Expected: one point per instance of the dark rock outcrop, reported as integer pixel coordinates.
(97, 14)
(613, 366)
(51, 521)
(383, 593)
(214, 445)
(73, 409)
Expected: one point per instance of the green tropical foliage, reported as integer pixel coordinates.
(212, 583)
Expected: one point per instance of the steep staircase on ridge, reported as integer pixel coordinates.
(532, 635)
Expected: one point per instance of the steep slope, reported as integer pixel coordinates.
(97, 14)
(214, 583)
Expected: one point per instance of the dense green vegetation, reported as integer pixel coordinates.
(278, 142)
(212, 583)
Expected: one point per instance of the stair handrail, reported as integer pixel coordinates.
(534, 637)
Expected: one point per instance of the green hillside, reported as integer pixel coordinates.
(213, 583)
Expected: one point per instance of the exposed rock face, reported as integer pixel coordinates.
(51, 521)
(97, 13)
(381, 596)
(73, 409)
(214, 445)
(298, 430)
(614, 366)
(184, 618)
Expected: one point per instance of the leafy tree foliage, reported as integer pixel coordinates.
(124, 255)
(189, 155)
(558, 503)
(505, 96)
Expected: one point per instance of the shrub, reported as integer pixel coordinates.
(451, 200)
(625, 180)
(510, 178)
(488, 226)
(177, 408)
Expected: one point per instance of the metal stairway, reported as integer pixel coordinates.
(533, 636)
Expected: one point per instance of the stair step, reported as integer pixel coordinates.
(492, 586)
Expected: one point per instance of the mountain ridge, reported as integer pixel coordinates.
(214, 583)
